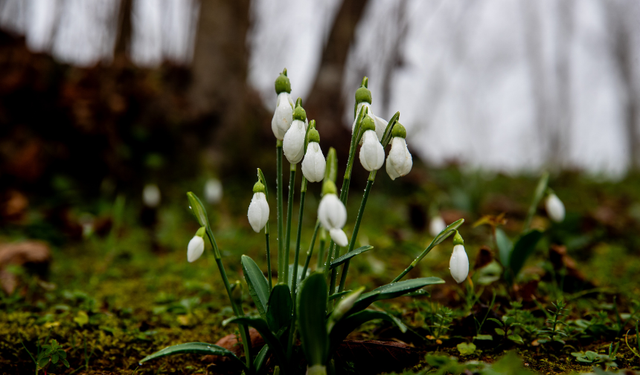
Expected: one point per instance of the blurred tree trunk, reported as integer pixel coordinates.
(325, 102)
(123, 36)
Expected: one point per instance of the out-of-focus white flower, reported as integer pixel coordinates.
(459, 262)
(213, 190)
(314, 163)
(258, 213)
(293, 143)
(436, 225)
(399, 161)
(333, 214)
(151, 195)
(283, 115)
(371, 152)
(554, 207)
(196, 246)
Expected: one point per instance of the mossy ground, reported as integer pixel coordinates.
(112, 300)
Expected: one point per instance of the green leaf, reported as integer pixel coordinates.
(483, 337)
(523, 249)
(196, 206)
(350, 255)
(500, 331)
(331, 171)
(505, 246)
(466, 348)
(339, 294)
(312, 319)
(300, 269)
(449, 230)
(263, 328)
(279, 310)
(258, 284)
(496, 321)
(195, 348)
(82, 318)
(43, 362)
(394, 290)
(54, 358)
(516, 338)
(537, 196)
(344, 326)
(260, 359)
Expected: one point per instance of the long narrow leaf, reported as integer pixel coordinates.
(350, 254)
(196, 348)
(279, 311)
(523, 249)
(312, 320)
(258, 285)
(505, 247)
(394, 290)
(261, 359)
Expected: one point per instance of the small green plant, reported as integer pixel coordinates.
(556, 332)
(607, 360)
(311, 303)
(48, 355)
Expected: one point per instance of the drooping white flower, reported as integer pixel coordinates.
(399, 161)
(379, 122)
(293, 143)
(314, 163)
(258, 213)
(459, 264)
(196, 246)
(371, 152)
(554, 207)
(333, 214)
(151, 195)
(283, 115)
(213, 190)
(436, 225)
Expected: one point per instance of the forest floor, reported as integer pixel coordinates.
(115, 296)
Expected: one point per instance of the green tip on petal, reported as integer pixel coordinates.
(368, 123)
(399, 131)
(258, 187)
(329, 187)
(457, 239)
(282, 83)
(299, 113)
(201, 231)
(314, 136)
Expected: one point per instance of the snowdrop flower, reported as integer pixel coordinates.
(258, 213)
(436, 225)
(554, 207)
(283, 115)
(196, 246)
(213, 190)
(399, 161)
(363, 101)
(151, 195)
(459, 262)
(293, 143)
(314, 163)
(371, 152)
(333, 214)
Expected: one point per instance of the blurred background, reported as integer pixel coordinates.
(107, 96)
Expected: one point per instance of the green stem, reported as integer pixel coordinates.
(355, 139)
(356, 228)
(296, 255)
(281, 262)
(266, 235)
(237, 310)
(310, 251)
(320, 266)
(334, 253)
(287, 238)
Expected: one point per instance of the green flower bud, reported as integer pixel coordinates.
(399, 131)
(198, 210)
(282, 83)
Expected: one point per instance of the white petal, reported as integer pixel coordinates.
(436, 225)
(282, 116)
(555, 208)
(381, 126)
(151, 195)
(371, 152)
(459, 264)
(195, 248)
(339, 237)
(258, 213)
(360, 107)
(332, 212)
(314, 163)
(399, 161)
(213, 190)
(293, 142)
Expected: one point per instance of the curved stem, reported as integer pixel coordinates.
(287, 239)
(281, 262)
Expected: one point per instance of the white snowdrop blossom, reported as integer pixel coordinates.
(333, 216)
(151, 195)
(258, 213)
(283, 115)
(195, 248)
(436, 225)
(459, 264)
(293, 143)
(314, 163)
(555, 208)
(399, 161)
(379, 122)
(213, 190)
(371, 152)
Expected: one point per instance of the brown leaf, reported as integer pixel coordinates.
(484, 257)
(373, 357)
(21, 254)
(233, 343)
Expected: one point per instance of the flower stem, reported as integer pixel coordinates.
(244, 330)
(310, 251)
(281, 262)
(266, 235)
(287, 239)
(303, 193)
(356, 228)
(321, 253)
